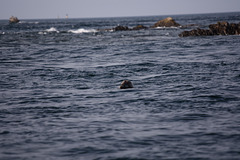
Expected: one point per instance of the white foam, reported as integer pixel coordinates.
(167, 34)
(52, 29)
(81, 30)
(22, 22)
(166, 27)
(42, 32)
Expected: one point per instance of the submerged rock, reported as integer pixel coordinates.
(126, 84)
(190, 26)
(13, 19)
(221, 28)
(118, 28)
(167, 22)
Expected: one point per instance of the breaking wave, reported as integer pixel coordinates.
(167, 27)
(81, 30)
(52, 29)
(27, 22)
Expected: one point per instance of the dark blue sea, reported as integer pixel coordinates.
(60, 96)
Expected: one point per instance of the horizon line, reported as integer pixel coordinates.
(123, 16)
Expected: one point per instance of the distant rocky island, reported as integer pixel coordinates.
(13, 19)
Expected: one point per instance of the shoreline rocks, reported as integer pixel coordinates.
(221, 28)
(13, 19)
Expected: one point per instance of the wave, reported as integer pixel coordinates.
(81, 30)
(52, 29)
(77, 31)
(26, 22)
(42, 32)
(167, 27)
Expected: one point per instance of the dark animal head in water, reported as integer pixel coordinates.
(126, 84)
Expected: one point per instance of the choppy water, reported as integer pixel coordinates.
(59, 95)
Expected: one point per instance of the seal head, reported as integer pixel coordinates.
(126, 84)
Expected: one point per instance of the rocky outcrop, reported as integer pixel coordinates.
(224, 28)
(13, 19)
(221, 28)
(139, 27)
(125, 28)
(167, 22)
(121, 28)
(126, 84)
(196, 32)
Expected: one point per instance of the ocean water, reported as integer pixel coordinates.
(60, 96)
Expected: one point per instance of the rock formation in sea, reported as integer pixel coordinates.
(139, 27)
(13, 19)
(125, 28)
(221, 28)
(121, 28)
(126, 84)
(167, 22)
